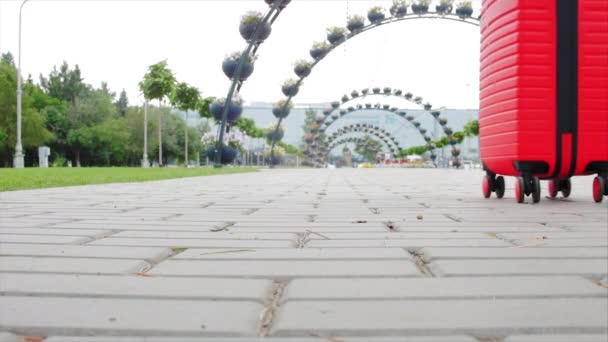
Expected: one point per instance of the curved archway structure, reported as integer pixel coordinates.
(402, 114)
(368, 131)
(292, 91)
(345, 141)
(385, 92)
(365, 129)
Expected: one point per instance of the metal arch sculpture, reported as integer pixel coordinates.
(386, 92)
(254, 34)
(354, 128)
(402, 114)
(375, 131)
(348, 140)
(291, 90)
(365, 129)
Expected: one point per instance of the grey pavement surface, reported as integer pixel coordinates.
(381, 255)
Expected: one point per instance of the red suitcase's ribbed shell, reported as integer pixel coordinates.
(518, 84)
(593, 83)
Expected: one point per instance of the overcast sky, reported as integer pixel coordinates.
(115, 41)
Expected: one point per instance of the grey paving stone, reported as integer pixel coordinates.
(54, 231)
(7, 337)
(410, 243)
(187, 243)
(288, 269)
(514, 253)
(48, 239)
(295, 254)
(595, 267)
(153, 254)
(401, 235)
(558, 338)
(71, 265)
(86, 316)
(224, 235)
(133, 287)
(478, 317)
(595, 242)
(268, 339)
(442, 288)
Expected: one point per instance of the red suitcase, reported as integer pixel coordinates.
(544, 94)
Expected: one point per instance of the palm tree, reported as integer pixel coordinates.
(157, 84)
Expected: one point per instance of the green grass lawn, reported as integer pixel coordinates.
(37, 178)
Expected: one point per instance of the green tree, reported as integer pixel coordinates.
(122, 104)
(34, 132)
(248, 127)
(202, 107)
(8, 59)
(471, 128)
(64, 84)
(185, 98)
(157, 84)
(368, 148)
(88, 110)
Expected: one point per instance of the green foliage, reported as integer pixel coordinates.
(34, 132)
(202, 107)
(122, 104)
(336, 30)
(471, 128)
(376, 9)
(248, 127)
(184, 97)
(8, 58)
(64, 84)
(414, 150)
(158, 82)
(355, 19)
(368, 148)
(290, 149)
(459, 136)
(252, 17)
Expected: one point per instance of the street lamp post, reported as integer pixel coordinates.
(18, 159)
(144, 162)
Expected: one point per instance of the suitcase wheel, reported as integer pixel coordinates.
(599, 188)
(526, 186)
(491, 183)
(565, 186)
(553, 188)
(557, 185)
(519, 189)
(500, 187)
(535, 189)
(486, 186)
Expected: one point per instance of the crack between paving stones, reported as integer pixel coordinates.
(151, 264)
(375, 211)
(270, 311)
(251, 211)
(222, 227)
(207, 205)
(453, 218)
(421, 264)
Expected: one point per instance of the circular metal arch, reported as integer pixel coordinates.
(389, 20)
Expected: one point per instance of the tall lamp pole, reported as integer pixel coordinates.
(18, 159)
(144, 162)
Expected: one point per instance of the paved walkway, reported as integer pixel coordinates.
(302, 255)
